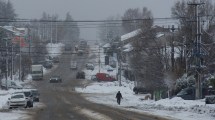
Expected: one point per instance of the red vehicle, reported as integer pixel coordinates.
(103, 77)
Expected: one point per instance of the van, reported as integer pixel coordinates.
(103, 77)
(74, 65)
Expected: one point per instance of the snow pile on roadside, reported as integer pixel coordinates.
(54, 49)
(104, 93)
(178, 104)
(3, 100)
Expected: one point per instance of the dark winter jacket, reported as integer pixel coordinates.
(118, 95)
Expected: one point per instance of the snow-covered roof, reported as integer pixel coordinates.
(106, 45)
(128, 47)
(128, 50)
(13, 29)
(159, 35)
(130, 35)
(22, 29)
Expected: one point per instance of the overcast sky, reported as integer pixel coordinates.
(89, 9)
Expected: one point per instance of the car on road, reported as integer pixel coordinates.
(55, 79)
(17, 100)
(80, 75)
(56, 59)
(74, 65)
(48, 64)
(36, 95)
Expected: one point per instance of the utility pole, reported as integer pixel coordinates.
(51, 32)
(56, 32)
(172, 49)
(20, 62)
(11, 76)
(6, 64)
(120, 67)
(198, 52)
(99, 59)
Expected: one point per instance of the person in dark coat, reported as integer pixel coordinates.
(119, 97)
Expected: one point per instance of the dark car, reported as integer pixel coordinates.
(190, 92)
(143, 90)
(36, 95)
(68, 48)
(48, 64)
(55, 79)
(80, 75)
(56, 59)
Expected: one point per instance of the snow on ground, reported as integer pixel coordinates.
(104, 93)
(175, 108)
(21, 114)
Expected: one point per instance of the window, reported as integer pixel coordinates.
(17, 96)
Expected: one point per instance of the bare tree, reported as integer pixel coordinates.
(147, 58)
(131, 20)
(110, 29)
(6, 12)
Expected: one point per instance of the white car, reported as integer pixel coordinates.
(17, 100)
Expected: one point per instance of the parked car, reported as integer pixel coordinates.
(55, 79)
(28, 96)
(80, 75)
(36, 95)
(139, 89)
(74, 65)
(56, 59)
(17, 100)
(68, 47)
(80, 52)
(89, 66)
(189, 93)
(103, 77)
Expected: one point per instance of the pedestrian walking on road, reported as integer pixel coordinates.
(119, 97)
